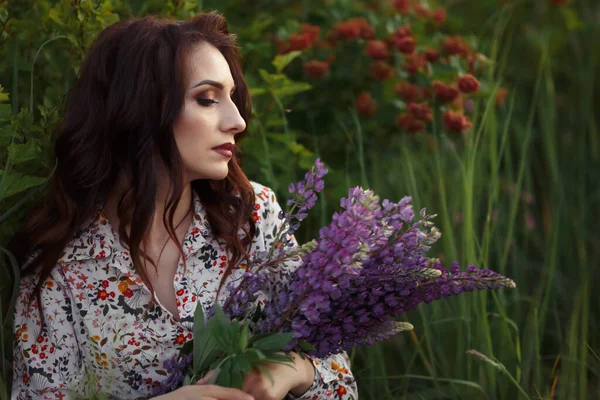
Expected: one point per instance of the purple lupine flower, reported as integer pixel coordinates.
(265, 267)
(363, 315)
(176, 369)
(243, 295)
(305, 196)
(366, 267)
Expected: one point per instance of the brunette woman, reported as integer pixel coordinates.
(149, 213)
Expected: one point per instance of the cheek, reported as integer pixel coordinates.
(191, 130)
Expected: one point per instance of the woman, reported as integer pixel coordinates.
(149, 213)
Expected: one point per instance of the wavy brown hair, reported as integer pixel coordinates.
(118, 121)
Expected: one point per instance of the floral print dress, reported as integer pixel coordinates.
(105, 334)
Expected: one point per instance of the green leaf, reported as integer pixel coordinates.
(257, 91)
(254, 356)
(259, 24)
(55, 16)
(214, 355)
(306, 346)
(571, 18)
(237, 330)
(201, 335)
(281, 61)
(243, 362)
(225, 374)
(291, 88)
(281, 86)
(204, 347)
(111, 19)
(244, 338)
(259, 336)
(5, 111)
(237, 377)
(273, 342)
(268, 78)
(19, 153)
(223, 332)
(279, 358)
(298, 149)
(276, 121)
(16, 183)
(188, 347)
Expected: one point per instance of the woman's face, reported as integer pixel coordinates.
(209, 118)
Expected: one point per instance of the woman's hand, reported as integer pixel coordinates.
(295, 378)
(201, 391)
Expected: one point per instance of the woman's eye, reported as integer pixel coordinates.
(206, 102)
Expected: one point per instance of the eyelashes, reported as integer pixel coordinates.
(206, 102)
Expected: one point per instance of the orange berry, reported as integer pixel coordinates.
(445, 92)
(365, 104)
(468, 84)
(439, 15)
(406, 44)
(407, 91)
(316, 68)
(377, 49)
(456, 122)
(420, 111)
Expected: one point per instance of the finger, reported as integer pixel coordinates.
(205, 378)
(223, 393)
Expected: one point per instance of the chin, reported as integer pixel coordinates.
(214, 174)
(220, 177)
(221, 173)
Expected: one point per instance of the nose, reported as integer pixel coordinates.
(232, 121)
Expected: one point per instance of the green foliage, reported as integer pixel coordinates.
(227, 348)
(517, 193)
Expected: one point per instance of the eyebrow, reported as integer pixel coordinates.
(210, 82)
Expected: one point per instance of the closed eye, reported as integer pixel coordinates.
(206, 102)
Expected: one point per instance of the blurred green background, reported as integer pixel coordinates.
(512, 170)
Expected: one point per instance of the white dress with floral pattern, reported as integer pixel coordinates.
(104, 333)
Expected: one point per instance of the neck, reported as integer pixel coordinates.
(158, 233)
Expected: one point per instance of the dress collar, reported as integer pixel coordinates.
(96, 239)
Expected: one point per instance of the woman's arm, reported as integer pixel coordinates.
(45, 360)
(307, 379)
(333, 380)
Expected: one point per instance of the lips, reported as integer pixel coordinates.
(225, 146)
(226, 149)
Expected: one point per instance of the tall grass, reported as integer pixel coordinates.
(539, 340)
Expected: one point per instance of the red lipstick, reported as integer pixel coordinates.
(226, 149)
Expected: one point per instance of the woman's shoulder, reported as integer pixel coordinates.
(92, 242)
(266, 208)
(260, 189)
(263, 194)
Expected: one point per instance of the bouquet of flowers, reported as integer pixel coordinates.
(341, 290)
